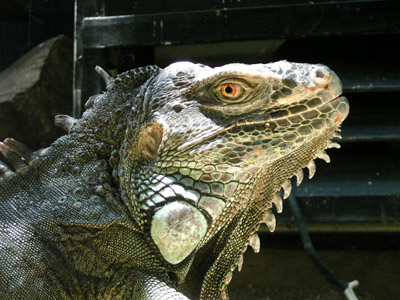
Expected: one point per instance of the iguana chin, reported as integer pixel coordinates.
(156, 192)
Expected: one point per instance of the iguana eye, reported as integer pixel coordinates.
(231, 90)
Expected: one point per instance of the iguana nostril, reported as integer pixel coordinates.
(320, 74)
(322, 77)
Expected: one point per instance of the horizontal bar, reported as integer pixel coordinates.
(370, 81)
(118, 7)
(371, 134)
(325, 210)
(349, 186)
(262, 22)
(284, 226)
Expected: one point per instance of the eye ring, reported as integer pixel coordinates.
(231, 90)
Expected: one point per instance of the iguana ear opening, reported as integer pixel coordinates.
(148, 141)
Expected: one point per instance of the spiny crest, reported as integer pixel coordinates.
(125, 81)
(269, 217)
(132, 78)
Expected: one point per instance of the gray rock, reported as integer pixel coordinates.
(33, 90)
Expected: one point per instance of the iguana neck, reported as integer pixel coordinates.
(87, 209)
(82, 186)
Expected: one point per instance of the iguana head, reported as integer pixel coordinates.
(215, 146)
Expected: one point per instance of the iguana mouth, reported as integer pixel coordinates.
(336, 98)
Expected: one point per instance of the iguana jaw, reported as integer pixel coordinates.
(259, 208)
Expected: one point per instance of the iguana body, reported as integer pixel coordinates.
(158, 189)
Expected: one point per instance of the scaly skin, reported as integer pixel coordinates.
(156, 192)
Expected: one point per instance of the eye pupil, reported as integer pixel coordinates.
(228, 90)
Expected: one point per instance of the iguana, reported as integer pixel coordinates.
(159, 188)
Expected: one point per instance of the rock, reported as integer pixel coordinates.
(33, 90)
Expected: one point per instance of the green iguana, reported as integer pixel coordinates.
(156, 192)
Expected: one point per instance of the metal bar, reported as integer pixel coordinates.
(349, 186)
(375, 81)
(286, 225)
(372, 134)
(262, 22)
(115, 7)
(82, 10)
(77, 70)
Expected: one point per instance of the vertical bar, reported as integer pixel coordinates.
(83, 8)
(78, 58)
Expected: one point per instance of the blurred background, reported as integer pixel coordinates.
(48, 51)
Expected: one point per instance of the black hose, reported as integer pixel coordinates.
(309, 248)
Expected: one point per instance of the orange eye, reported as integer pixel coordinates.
(231, 90)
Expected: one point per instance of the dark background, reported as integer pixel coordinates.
(26, 23)
(352, 205)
